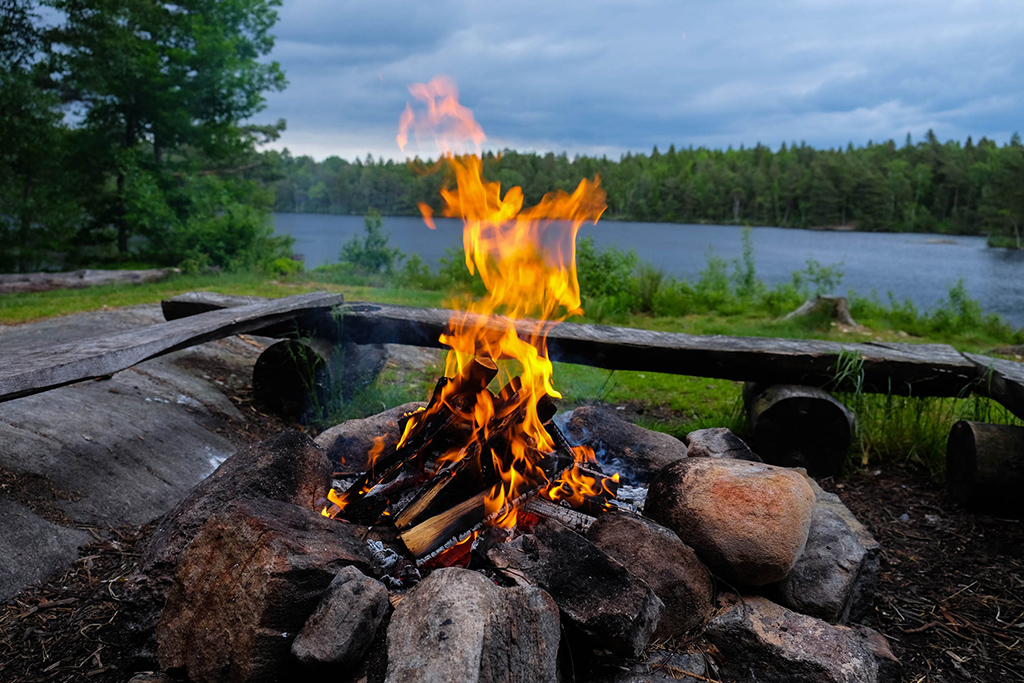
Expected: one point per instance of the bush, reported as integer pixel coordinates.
(606, 279)
(371, 255)
(284, 266)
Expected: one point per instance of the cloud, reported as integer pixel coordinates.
(615, 76)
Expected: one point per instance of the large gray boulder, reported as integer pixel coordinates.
(747, 521)
(835, 577)
(456, 625)
(246, 585)
(288, 467)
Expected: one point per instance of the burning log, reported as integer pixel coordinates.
(985, 467)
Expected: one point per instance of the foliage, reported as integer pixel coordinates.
(129, 144)
(371, 254)
(38, 181)
(967, 188)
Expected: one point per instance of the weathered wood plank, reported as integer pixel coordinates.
(915, 369)
(78, 279)
(47, 368)
(320, 325)
(1001, 380)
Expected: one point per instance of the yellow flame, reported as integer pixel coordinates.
(526, 258)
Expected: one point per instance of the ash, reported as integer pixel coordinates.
(631, 498)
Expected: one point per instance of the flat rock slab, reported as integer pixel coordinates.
(118, 451)
(457, 625)
(246, 585)
(597, 595)
(764, 642)
(632, 451)
(33, 547)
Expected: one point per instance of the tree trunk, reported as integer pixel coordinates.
(798, 426)
(985, 467)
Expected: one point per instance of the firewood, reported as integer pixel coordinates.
(428, 538)
(452, 524)
(433, 421)
(545, 509)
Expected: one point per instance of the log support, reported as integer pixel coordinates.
(797, 426)
(985, 467)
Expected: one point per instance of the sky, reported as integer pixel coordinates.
(614, 77)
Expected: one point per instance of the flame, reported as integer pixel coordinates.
(526, 258)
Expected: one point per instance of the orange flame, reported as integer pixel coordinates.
(526, 257)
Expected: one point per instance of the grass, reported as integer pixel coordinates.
(24, 307)
(890, 428)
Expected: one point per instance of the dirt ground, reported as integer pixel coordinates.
(950, 599)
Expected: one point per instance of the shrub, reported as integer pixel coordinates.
(371, 254)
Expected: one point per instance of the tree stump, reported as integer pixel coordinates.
(799, 426)
(985, 467)
(836, 307)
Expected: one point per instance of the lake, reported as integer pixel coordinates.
(918, 267)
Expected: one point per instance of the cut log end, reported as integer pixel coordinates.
(798, 426)
(293, 378)
(985, 467)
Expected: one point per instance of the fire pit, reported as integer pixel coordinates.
(473, 538)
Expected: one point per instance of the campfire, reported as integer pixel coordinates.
(478, 540)
(470, 460)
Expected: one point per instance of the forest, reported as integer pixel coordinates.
(128, 136)
(927, 186)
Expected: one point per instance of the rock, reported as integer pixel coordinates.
(456, 625)
(718, 442)
(596, 594)
(246, 585)
(344, 623)
(288, 467)
(764, 642)
(666, 564)
(38, 547)
(835, 577)
(634, 452)
(119, 451)
(348, 444)
(154, 677)
(662, 667)
(747, 521)
(360, 365)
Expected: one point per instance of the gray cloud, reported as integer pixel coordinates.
(607, 77)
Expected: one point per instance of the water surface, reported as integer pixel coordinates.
(918, 267)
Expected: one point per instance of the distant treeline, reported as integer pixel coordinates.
(970, 188)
